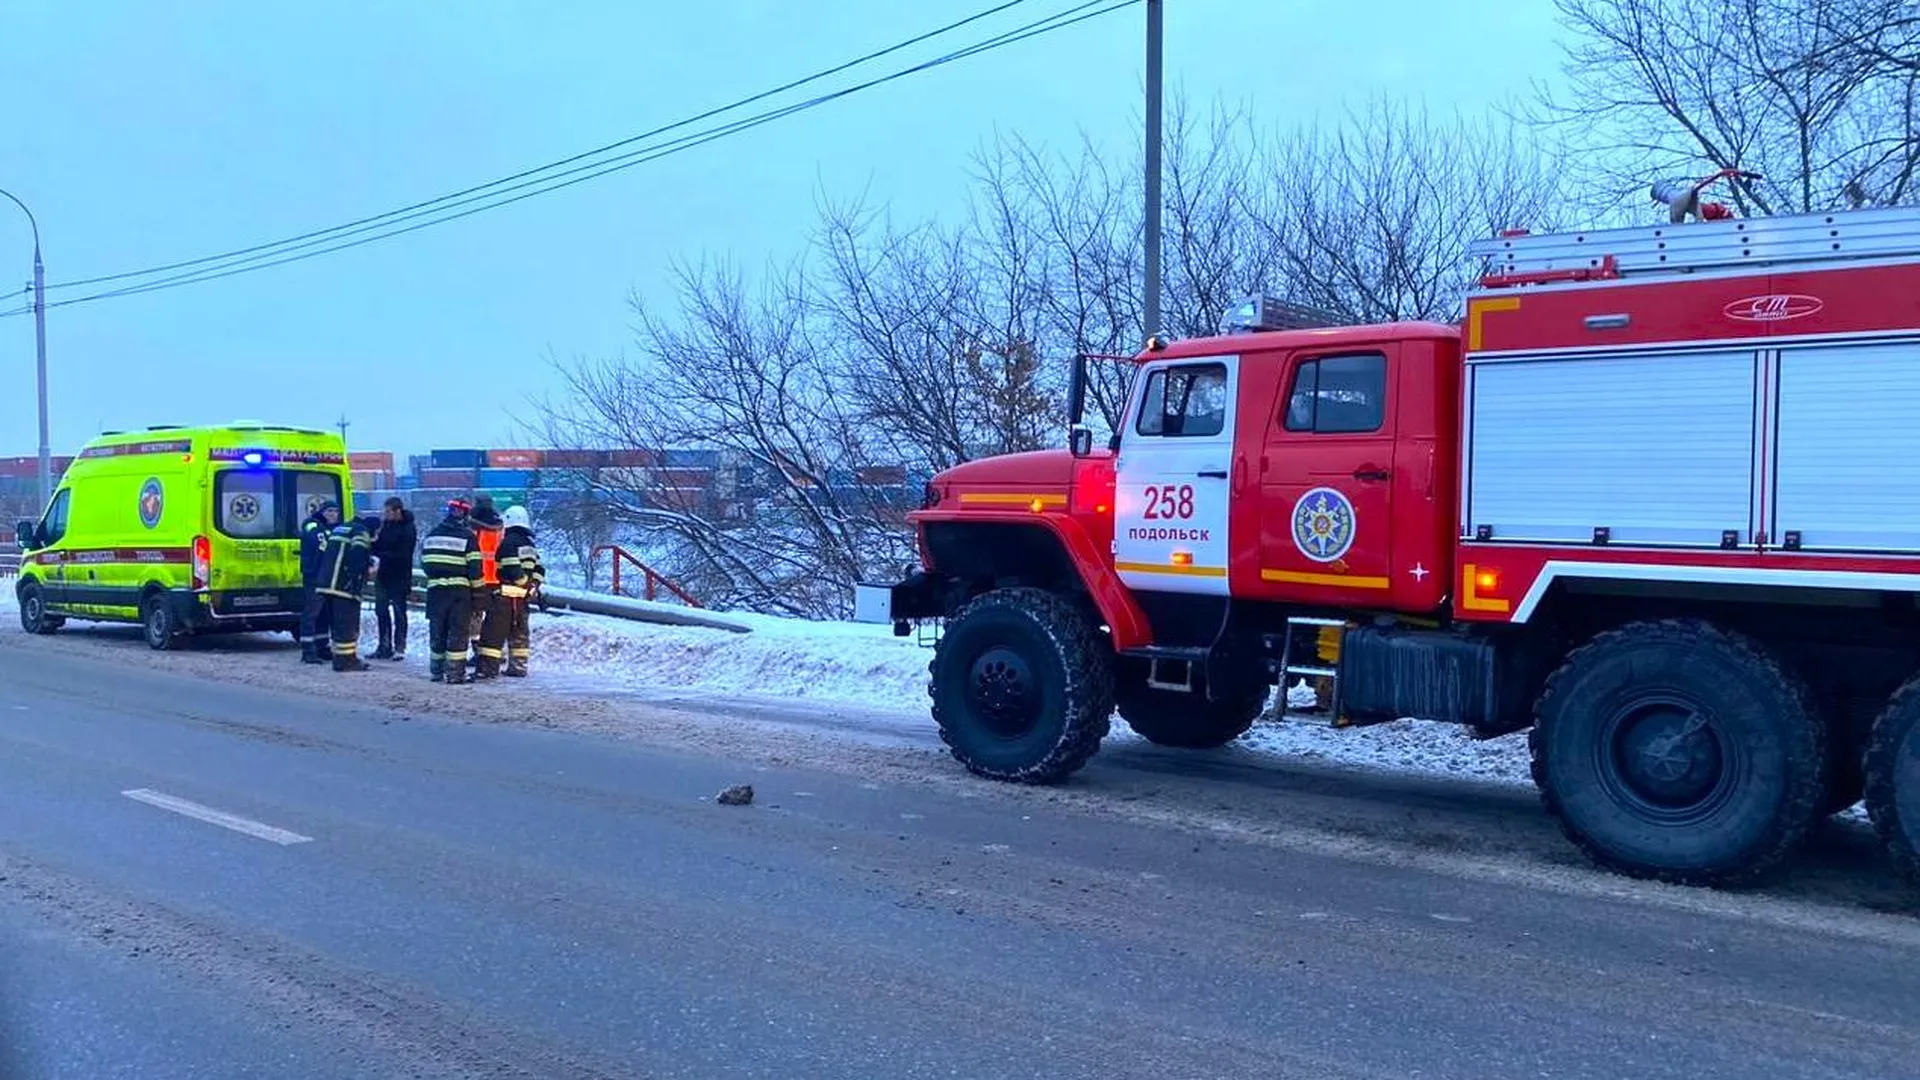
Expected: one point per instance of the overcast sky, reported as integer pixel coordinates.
(144, 133)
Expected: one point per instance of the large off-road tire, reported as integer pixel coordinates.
(34, 618)
(1022, 685)
(1893, 778)
(1182, 719)
(1679, 751)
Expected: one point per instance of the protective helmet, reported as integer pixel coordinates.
(515, 515)
(458, 508)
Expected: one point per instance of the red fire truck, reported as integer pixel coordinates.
(1657, 497)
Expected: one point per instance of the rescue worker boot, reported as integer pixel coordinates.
(310, 652)
(456, 675)
(349, 662)
(384, 652)
(437, 670)
(516, 669)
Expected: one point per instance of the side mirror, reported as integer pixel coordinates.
(23, 535)
(1080, 440)
(1113, 442)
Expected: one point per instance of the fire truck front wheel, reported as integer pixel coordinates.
(1022, 685)
(1680, 751)
(1893, 778)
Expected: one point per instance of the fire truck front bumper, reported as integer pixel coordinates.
(921, 595)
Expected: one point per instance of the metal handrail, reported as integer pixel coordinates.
(655, 580)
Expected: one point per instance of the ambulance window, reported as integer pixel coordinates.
(310, 489)
(1339, 395)
(54, 525)
(1185, 401)
(245, 507)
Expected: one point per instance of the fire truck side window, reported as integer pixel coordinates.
(1185, 401)
(1338, 395)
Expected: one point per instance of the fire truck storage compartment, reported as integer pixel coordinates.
(1848, 472)
(1653, 448)
(1389, 672)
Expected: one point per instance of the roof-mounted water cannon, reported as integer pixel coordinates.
(1259, 314)
(1682, 197)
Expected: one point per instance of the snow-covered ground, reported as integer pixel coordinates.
(867, 667)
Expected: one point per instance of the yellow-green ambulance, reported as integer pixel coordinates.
(181, 530)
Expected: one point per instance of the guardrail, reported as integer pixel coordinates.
(655, 581)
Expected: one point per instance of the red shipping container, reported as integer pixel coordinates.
(575, 459)
(696, 479)
(20, 466)
(380, 461)
(633, 459)
(447, 478)
(514, 459)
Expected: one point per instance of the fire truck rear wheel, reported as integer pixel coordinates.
(1893, 778)
(1185, 720)
(1022, 685)
(1679, 751)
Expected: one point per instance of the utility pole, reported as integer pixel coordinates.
(39, 349)
(1152, 284)
(342, 424)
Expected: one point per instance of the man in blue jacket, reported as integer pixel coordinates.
(314, 646)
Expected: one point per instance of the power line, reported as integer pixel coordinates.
(552, 165)
(1058, 21)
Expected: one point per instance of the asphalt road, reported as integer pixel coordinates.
(381, 894)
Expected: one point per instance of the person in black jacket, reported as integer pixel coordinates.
(313, 606)
(344, 559)
(393, 578)
(455, 573)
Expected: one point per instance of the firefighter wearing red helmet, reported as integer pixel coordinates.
(451, 557)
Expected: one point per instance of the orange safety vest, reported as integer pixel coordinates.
(489, 543)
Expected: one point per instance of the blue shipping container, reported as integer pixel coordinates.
(516, 479)
(459, 459)
(409, 483)
(690, 459)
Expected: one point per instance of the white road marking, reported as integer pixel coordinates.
(208, 814)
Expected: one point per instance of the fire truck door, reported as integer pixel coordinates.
(1326, 482)
(1171, 498)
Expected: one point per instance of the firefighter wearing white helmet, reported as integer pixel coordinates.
(521, 576)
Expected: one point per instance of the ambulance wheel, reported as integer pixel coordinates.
(1893, 778)
(156, 619)
(1022, 686)
(1679, 751)
(1184, 719)
(33, 612)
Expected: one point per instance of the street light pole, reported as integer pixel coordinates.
(1152, 238)
(39, 349)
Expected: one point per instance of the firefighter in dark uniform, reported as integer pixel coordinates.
(344, 559)
(450, 555)
(487, 653)
(313, 606)
(521, 576)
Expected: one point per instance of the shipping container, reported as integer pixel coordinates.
(690, 459)
(372, 481)
(696, 479)
(503, 498)
(514, 459)
(448, 478)
(511, 479)
(622, 478)
(882, 475)
(408, 483)
(459, 459)
(372, 461)
(574, 459)
(417, 462)
(633, 459)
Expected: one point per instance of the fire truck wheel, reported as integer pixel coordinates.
(1022, 686)
(1182, 719)
(1680, 751)
(1893, 778)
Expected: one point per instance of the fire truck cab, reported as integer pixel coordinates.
(1657, 497)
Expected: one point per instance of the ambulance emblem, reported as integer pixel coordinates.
(1323, 525)
(153, 500)
(244, 508)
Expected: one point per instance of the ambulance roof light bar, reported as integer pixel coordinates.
(1259, 314)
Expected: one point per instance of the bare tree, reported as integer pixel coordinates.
(1816, 95)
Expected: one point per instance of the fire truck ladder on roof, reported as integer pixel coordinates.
(1653, 251)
